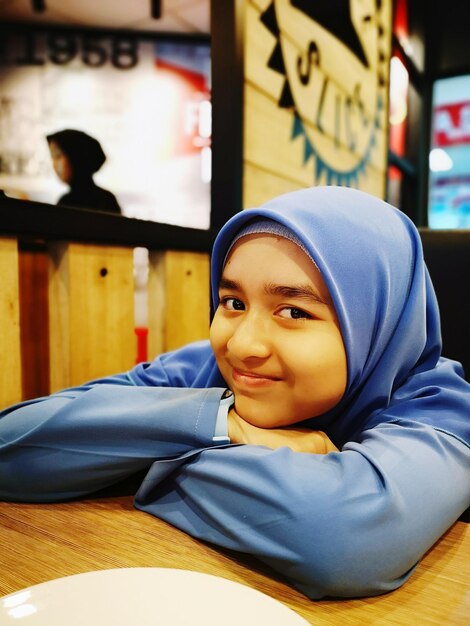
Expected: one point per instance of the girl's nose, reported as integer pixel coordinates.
(250, 339)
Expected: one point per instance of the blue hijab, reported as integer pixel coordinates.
(371, 259)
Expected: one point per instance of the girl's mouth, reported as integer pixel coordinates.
(251, 379)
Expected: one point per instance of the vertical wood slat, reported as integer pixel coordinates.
(33, 264)
(91, 312)
(178, 299)
(10, 355)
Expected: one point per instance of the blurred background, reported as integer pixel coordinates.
(135, 75)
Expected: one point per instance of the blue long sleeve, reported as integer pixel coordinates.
(80, 440)
(346, 524)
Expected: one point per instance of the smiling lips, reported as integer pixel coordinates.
(250, 379)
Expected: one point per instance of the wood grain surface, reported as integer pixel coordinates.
(40, 542)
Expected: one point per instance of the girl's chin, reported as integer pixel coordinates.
(261, 414)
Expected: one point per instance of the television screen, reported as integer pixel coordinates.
(449, 159)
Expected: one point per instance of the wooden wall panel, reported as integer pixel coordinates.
(10, 380)
(267, 140)
(274, 163)
(259, 185)
(178, 299)
(315, 96)
(91, 304)
(269, 144)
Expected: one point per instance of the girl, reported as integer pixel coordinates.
(324, 363)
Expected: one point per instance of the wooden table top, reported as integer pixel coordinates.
(40, 542)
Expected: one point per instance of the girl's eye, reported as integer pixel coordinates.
(292, 313)
(232, 304)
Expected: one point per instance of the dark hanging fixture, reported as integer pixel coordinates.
(38, 6)
(156, 9)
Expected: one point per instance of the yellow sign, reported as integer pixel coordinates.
(325, 65)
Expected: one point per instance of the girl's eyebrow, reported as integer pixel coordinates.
(232, 285)
(306, 292)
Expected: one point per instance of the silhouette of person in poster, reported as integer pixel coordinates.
(76, 156)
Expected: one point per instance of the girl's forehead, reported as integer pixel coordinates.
(261, 246)
(268, 260)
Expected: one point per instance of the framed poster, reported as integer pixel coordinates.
(147, 101)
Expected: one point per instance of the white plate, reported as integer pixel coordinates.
(143, 596)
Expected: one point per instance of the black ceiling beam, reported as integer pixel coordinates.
(156, 9)
(10, 28)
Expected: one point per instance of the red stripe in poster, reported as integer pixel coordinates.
(452, 124)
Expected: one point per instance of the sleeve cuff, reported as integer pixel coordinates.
(221, 425)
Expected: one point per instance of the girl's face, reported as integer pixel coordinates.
(60, 162)
(275, 334)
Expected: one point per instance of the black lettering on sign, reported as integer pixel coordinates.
(305, 62)
(124, 53)
(321, 106)
(30, 51)
(94, 54)
(354, 110)
(62, 48)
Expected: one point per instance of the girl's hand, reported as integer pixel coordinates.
(298, 439)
